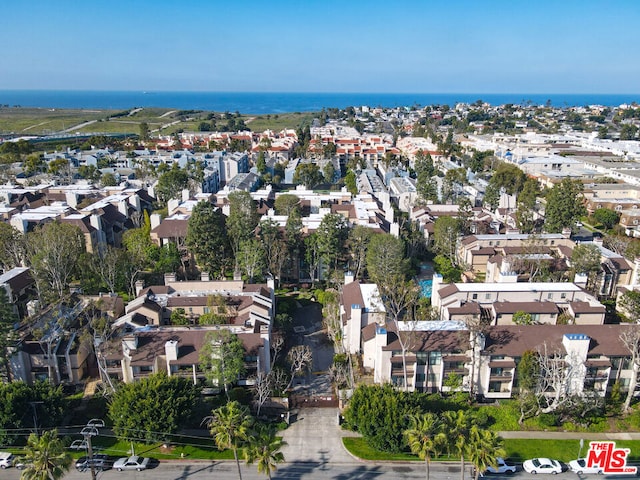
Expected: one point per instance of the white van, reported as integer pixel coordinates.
(6, 459)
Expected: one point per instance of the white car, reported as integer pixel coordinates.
(542, 465)
(6, 459)
(501, 467)
(580, 466)
(131, 463)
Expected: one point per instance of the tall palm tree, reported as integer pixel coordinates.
(230, 426)
(264, 449)
(45, 457)
(423, 437)
(456, 426)
(483, 449)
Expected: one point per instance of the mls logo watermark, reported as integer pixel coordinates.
(610, 459)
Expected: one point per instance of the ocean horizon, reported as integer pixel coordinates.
(277, 103)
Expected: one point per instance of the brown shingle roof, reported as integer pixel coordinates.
(514, 340)
(529, 307)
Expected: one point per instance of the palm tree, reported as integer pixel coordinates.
(483, 448)
(264, 449)
(423, 438)
(456, 426)
(45, 457)
(229, 426)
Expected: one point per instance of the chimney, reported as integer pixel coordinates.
(171, 350)
(348, 278)
(155, 220)
(139, 287)
(204, 277)
(169, 278)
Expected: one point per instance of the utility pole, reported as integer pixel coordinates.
(88, 432)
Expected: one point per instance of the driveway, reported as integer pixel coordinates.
(315, 437)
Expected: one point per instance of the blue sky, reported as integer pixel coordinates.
(481, 46)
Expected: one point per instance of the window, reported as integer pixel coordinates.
(420, 377)
(495, 387)
(474, 296)
(432, 378)
(499, 371)
(487, 296)
(563, 295)
(549, 296)
(615, 362)
(421, 358)
(207, 310)
(435, 358)
(624, 382)
(535, 317)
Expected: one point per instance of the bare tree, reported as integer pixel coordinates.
(279, 380)
(333, 323)
(300, 358)
(555, 379)
(261, 390)
(399, 298)
(631, 340)
(277, 343)
(476, 328)
(106, 264)
(99, 333)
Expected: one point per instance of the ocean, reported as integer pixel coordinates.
(275, 103)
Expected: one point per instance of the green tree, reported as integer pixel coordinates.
(329, 172)
(108, 180)
(585, 259)
(607, 217)
(446, 231)
(12, 247)
(423, 437)
(628, 132)
(230, 427)
(307, 174)
(144, 131)
(380, 414)
(386, 258)
(522, 318)
(357, 244)
(456, 425)
(264, 449)
(45, 457)
(564, 206)
(630, 303)
(251, 258)
(491, 198)
(286, 203)
(171, 183)
(53, 253)
(8, 335)
(425, 171)
(222, 358)
(312, 255)
(207, 238)
(508, 177)
(526, 204)
(332, 235)
(179, 317)
(351, 183)
(242, 220)
(445, 267)
(24, 405)
(484, 447)
(152, 408)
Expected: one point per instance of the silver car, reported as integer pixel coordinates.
(131, 463)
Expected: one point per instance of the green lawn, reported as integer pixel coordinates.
(517, 450)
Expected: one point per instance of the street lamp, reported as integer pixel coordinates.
(91, 430)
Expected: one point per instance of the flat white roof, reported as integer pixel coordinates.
(518, 287)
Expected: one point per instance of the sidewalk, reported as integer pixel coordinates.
(588, 436)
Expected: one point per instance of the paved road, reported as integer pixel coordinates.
(315, 437)
(300, 470)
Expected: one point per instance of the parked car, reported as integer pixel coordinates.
(580, 466)
(501, 467)
(6, 459)
(542, 465)
(20, 463)
(131, 463)
(100, 462)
